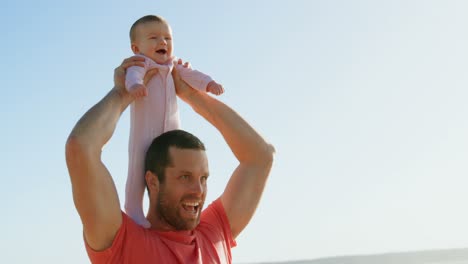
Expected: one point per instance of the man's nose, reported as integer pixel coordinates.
(197, 187)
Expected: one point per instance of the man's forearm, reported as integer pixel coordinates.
(246, 144)
(97, 125)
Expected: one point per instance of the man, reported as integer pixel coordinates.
(180, 232)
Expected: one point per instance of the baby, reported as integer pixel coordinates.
(155, 109)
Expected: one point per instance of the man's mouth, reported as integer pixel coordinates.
(161, 51)
(191, 207)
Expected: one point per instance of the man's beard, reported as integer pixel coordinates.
(170, 214)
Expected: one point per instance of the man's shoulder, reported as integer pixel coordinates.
(132, 244)
(214, 221)
(213, 209)
(214, 229)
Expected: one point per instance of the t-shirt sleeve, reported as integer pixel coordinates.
(114, 253)
(216, 219)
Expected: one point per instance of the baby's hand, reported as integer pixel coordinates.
(138, 91)
(215, 88)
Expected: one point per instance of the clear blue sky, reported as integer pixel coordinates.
(365, 102)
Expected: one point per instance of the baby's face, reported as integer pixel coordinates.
(154, 40)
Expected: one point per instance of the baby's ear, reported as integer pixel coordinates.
(135, 48)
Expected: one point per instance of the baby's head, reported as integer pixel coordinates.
(152, 36)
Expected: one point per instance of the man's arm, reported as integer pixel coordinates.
(94, 193)
(255, 155)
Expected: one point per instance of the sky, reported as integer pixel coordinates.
(365, 102)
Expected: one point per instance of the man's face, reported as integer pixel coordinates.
(154, 40)
(182, 194)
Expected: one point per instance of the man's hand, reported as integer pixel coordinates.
(119, 72)
(183, 90)
(119, 76)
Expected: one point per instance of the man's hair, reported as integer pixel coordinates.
(143, 20)
(157, 156)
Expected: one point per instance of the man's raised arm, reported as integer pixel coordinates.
(255, 155)
(94, 193)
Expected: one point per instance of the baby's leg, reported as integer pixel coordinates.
(149, 117)
(135, 187)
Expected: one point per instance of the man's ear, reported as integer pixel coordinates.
(152, 181)
(135, 48)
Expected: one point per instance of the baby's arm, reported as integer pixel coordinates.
(199, 80)
(134, 81)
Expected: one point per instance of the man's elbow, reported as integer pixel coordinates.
(272, 151)
(72, 148)
(268, 154)
(75, 151)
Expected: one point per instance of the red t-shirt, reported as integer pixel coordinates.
(210, 242)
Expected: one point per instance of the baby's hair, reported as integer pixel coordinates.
(143, 20)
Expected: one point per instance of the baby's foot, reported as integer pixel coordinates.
(139, 218)
(143, 222)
